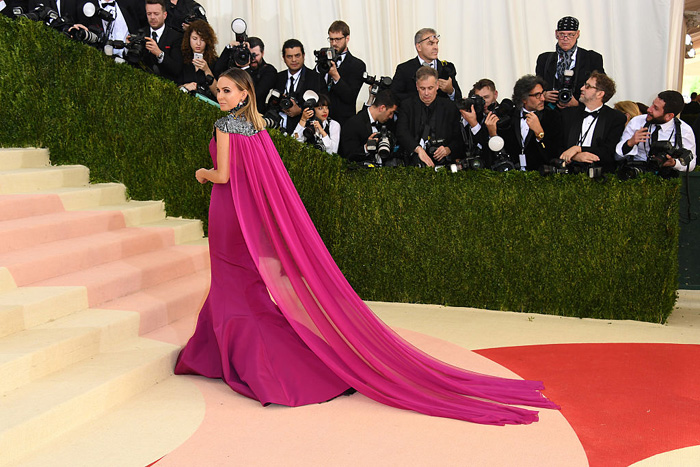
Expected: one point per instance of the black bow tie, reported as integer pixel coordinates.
(592, 114)
(106, 4)
(525, 114)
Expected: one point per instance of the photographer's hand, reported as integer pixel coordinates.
(442, 152)
(319, 129)
(201, 64)
(585, 157)
(373, 136)
(639, 136)
(569, 154)
(469, 116)
(305, 116)
(669, 162)
(424, 157)
(152, 46)
(445, 85)
(491, 123)
(77, 26)
(551, 96)
(190, 86)
(333, 72)
(533, 122)
(294, 110)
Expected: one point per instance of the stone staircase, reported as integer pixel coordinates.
(84, 273)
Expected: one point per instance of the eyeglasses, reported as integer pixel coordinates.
(588, 86)
(537, 95)
(566, 35)
(336, 39)
(434, 39)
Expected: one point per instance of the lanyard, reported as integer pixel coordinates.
(582, 135)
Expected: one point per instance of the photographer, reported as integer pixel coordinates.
(661, 123)
(317, 129)
(404, 83)
(534, 136)
(428, 127)
(591, 131)
(294, 82)
(343, 78)
(199, 56)
(264, 75)
(364, 126)
(164, 44)
(125, 18)
(483, 125)
(566, 69)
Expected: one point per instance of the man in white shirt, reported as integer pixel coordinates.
(659, 124)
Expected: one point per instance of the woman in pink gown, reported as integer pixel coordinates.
(318, 339)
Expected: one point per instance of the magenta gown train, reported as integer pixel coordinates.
(318, 338)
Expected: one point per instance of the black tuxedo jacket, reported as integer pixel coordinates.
(607, 133)
(170, 43)
(10, 4)
(309, 80)
(587, 61)
(404, 82)
(536, 152)
(353, 136)
(344, 93)
(411, 124)
(134, 12)
(70, 9)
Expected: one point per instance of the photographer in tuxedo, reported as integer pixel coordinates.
(428, 127)
(164, 44)
(363, 126)
(552, 66)
(294, 81)
(592, 130)
(129, 18)
(534, 136)
(344, 79)
(404, 82)
(484, 129)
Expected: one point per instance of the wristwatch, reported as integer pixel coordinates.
(161, 55)
(540, 135)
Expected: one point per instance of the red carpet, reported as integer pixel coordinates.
(626, 402)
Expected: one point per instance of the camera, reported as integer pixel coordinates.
(136, 48)
(475, 100)
(566, 88)
(631, 169)
(431, 146)
(240, 54)
(375, 86)
(560, 166)
(198, 12)
(501, 161)
(658, 151)
(504, 112)
(324, 58)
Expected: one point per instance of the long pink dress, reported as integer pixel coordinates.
(320, 338)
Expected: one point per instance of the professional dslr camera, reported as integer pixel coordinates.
(566, 88)
(324, 58)
(198, 12)
(381, 149)
(375, 86)
(560, 166)
(431, 146)
(658, 151)
(475, 100)
(309, 101)
(136, 48)
(277, 102)
(501, 161)
(240, 54)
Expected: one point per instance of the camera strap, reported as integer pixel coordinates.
(582, 136)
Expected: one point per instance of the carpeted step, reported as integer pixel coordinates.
(44, 178)
(165, 303)
(33, 353)
(28, 232)
(39, 412)
(688, 299)
(86, 197)
(15, 206)
(18, 158)
(25, 307)
(126, 276)
(50, 260)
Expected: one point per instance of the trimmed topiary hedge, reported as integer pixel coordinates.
(516, 241)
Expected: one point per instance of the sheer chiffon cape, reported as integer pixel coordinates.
(335, 323)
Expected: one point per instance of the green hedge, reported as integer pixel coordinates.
(517, 241)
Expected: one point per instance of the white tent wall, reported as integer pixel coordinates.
(640, 40)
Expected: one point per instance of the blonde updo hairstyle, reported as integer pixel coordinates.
(244, 82)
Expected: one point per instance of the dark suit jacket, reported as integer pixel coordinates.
(170, 43)
(344, 93)
(71, 9)
(134, 12)
(353, 136)
(587, 61)
(536, 153)
(264, 77)
(608, 129)
(309, 80)
(404, 82)
(410, 125)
